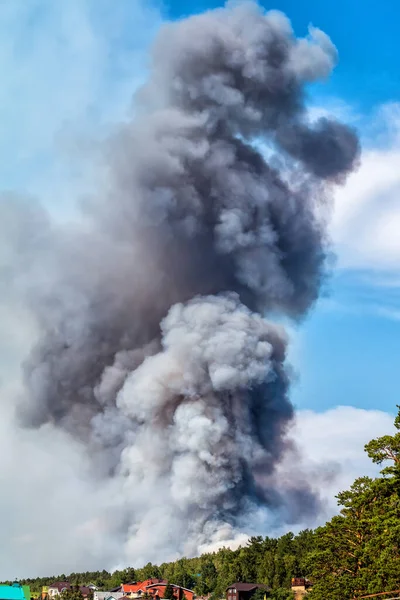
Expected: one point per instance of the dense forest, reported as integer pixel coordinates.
(356, 553)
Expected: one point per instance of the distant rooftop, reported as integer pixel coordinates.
(60, 585)
(246, 587)
(12, 592)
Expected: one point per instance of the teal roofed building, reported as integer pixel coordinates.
(16, 591)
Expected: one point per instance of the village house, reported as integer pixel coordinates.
(244, 591)
(16, 591)
(139, 588)
(111, 595)
(153, 588)
(300, 587)
(58, 587)
(180, 593)
(150, 588)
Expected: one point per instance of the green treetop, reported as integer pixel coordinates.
(387, 448)
(169, 592)
(358, 551)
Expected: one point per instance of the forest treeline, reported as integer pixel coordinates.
(356, 553)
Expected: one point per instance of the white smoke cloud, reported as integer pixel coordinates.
(67, 74)
(187, 413)
(56, 519)
(211, 346)
(53, 515)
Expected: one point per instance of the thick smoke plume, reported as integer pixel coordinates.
(154, 349)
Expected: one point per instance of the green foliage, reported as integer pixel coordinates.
(281, 594)
(387, 448)
(149, 571)
(169, 592)
(358, 551)
(259, 594)
(72, 594)
(181, 574)
(207, 580)
(128, 575)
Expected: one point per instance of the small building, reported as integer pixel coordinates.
(111, 595)
(157, 590)
(244, 591)
(300, 587)
(139, 588)
(16, 591)
(57, 588)
(154, 588)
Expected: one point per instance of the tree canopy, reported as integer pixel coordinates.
(358, 551)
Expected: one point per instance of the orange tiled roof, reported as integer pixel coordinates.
(132, 588)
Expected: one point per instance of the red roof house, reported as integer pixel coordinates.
(180, 593)
(135, 590)
(156, 589)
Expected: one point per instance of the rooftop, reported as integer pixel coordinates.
(12, 592)
(163, 582)
(141, 585)
(60, 585)
(246, 587)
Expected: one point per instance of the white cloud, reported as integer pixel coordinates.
(333, 442)
(336, 108)
(366, 218)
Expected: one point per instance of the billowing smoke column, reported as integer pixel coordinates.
(154, 346)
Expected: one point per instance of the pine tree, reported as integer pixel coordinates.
(358, 551)
(387, 448)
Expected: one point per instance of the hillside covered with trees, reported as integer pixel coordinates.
(356, 553)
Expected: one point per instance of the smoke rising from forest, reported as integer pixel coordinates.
(154, 349)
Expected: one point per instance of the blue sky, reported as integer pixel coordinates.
(350, 353)
(68, 73)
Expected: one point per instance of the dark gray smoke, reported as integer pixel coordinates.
(154, 348)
